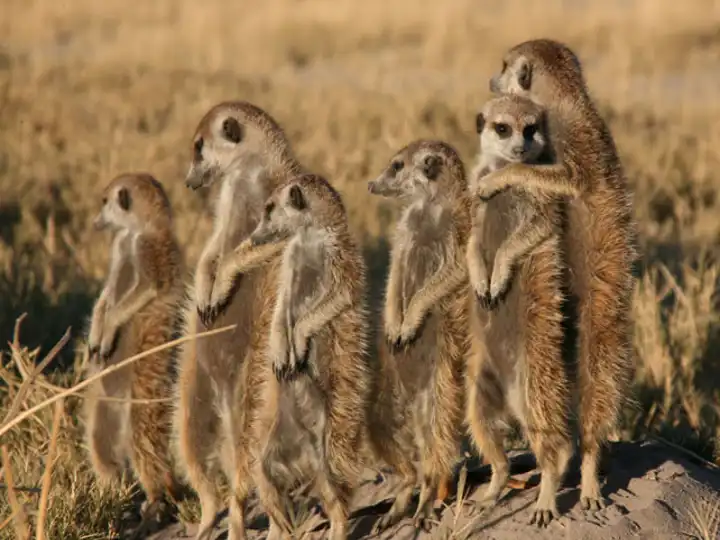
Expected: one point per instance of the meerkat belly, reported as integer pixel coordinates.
(504, 325)
(300, 428)
(222, 355)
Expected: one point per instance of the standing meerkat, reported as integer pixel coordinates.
(599, 242)
(420, 401)
(314, 419)
(243, 148)
(137, 310)
(516, 369)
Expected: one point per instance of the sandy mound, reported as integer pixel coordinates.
(655, 492)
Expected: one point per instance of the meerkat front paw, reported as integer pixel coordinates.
(225, 284)
(300, 350)
(482, 293)
(500, 281)
(108, 342)
(393, 331)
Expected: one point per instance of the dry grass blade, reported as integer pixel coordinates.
(70, 391)
(7, 521)
(47, 475)
(25, 387)
(22, 530)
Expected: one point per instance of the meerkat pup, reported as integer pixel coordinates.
(136, 311)
(516, 369)
(511, 129)
(599, 241)
(243, 149)
(315, 415)
(420, 400)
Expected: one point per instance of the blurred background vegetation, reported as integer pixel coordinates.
(91, 89)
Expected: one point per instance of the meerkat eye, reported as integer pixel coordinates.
(479, 122)
(396, 166)
(198, 147)
(503, 130)
(124, 199)
(269, 207)
(232, 130)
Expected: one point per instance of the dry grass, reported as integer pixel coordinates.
(89, 90)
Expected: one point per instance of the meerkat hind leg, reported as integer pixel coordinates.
(401, 503)
(590, 495)
(424, 514)
(552, 460)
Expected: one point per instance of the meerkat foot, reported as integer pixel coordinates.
(491, 496)
(545, 508)
(542, 518)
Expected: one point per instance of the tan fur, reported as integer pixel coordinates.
(516, 369)
(511, 129)
(221, 377)
(137, 310)
(418, 413)
(599, 242)
(314, 418)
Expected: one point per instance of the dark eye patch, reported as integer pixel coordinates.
(503, 130)
(232, 130)
(479, 122)
(396, 166)
(297, 200)
(530, 131)
(269, 207)
(504, 67)
(124, 199)
(104, 201)
(432, 165)
(198, 147)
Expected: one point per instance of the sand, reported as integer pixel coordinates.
(653, 491)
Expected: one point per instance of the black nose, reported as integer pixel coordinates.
(371, 187)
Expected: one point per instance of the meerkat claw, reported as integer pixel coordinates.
(542, 518)
(592, 504)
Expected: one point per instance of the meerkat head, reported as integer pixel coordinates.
(421, 170)
(135, 202)
(512, 129)
(305, 201)
(539, 69)
(234, 137)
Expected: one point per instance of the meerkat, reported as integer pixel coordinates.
(420, 400)
(314, 420)
(516, 369)
(511, 129)
(599, 240)
(136, 311)
(242, 148)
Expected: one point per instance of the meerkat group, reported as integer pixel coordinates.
(486, 269)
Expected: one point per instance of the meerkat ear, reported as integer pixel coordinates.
(297, 200)
(524, 76)
(232, 130)
(124, 199)
(479, 122)
(432, 167)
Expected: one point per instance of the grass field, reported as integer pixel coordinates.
(91, 89)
